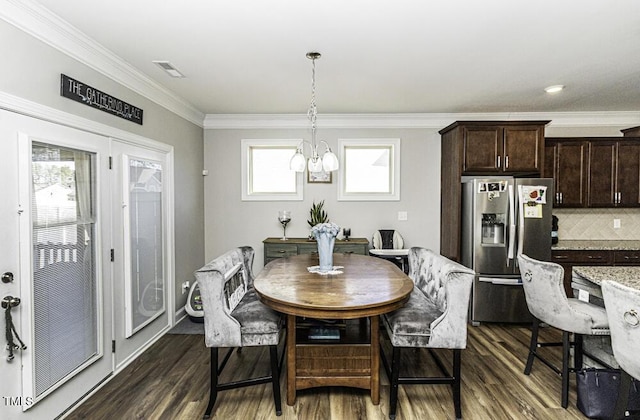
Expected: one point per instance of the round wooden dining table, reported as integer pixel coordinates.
(348, 303)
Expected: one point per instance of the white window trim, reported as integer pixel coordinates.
(247, 195)
(394, 194)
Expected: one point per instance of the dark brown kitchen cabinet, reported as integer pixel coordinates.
(482, 148)
(614, 173)
(496, 149)
(626, 257)
(566, 162)
(568, 258)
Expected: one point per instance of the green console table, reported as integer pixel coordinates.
(277, 248)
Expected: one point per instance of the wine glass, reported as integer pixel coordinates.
(284, 216)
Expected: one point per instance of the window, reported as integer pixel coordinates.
(265, 170)
(370, 170)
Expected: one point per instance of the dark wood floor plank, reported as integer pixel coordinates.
(171, 381)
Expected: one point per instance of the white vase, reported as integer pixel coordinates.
(325, 242)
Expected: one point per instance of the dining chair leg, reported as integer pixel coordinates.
(565, 368)
(535, 327)
(623, 396)
(457, 361)
(395, 374)
(275, 379)
(213, 389)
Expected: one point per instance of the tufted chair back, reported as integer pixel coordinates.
(447, 286)
(622, 304)
(223, 283)
(548, 302)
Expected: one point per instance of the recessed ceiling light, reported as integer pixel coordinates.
(554, 88)
(169, 68)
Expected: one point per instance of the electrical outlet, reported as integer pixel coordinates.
(402, 215)
(185, 287)
(616, 223)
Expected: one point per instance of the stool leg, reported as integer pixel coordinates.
(395, 373)
(535, 327)
(565, 368)
(213, 390)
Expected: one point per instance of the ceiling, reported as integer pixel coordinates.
(455, 56)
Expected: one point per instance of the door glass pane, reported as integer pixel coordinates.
(144, 217)
(64, 276)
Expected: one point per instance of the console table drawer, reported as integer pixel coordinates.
(277, 248)
(350, 249)
(281, 250)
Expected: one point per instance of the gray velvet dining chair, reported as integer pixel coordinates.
(622, 304)
(234, 317)
(435, 317)
(548, 303)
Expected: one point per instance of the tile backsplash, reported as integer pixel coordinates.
(595, 224)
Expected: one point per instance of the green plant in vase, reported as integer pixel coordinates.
(317, 215)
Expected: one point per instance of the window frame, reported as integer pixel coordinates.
(393, 144)
(247, 194)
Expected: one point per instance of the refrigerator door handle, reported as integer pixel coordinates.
(512, 227)
(520, 222)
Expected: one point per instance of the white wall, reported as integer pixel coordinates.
(231, 222)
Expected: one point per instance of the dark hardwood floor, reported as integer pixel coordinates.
(170, 381)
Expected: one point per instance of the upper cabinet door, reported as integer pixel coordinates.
(482, 149)
(523, 148)
(628, 174)
(602, 173)
(503, 149)
(568, 167)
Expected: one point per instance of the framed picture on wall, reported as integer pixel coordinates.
(318, 177)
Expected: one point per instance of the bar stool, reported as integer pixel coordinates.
(547, 301)
(622, 304)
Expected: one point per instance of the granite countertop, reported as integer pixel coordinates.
(625, 275)
(597, 245)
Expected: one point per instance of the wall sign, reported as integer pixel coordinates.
(80, 92)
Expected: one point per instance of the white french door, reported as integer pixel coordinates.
(57, 212)
(87, 234)
(142, 237)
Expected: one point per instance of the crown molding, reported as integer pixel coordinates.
(22, 106)
(432, 121)
(36, 20)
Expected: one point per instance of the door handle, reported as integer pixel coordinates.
(7, 277)
(10, 302)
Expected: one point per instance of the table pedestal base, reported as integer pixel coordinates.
(311, 363)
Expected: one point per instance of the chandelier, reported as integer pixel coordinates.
(329, 161)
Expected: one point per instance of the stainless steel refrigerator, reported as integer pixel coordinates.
(501, 218)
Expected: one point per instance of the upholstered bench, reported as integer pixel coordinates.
(434, 317)
(235, 317)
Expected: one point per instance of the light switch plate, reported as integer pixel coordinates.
(616, 223)
(402, 215)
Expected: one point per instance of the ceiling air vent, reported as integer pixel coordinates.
(169, 68)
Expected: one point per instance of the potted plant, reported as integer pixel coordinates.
(317, 215)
